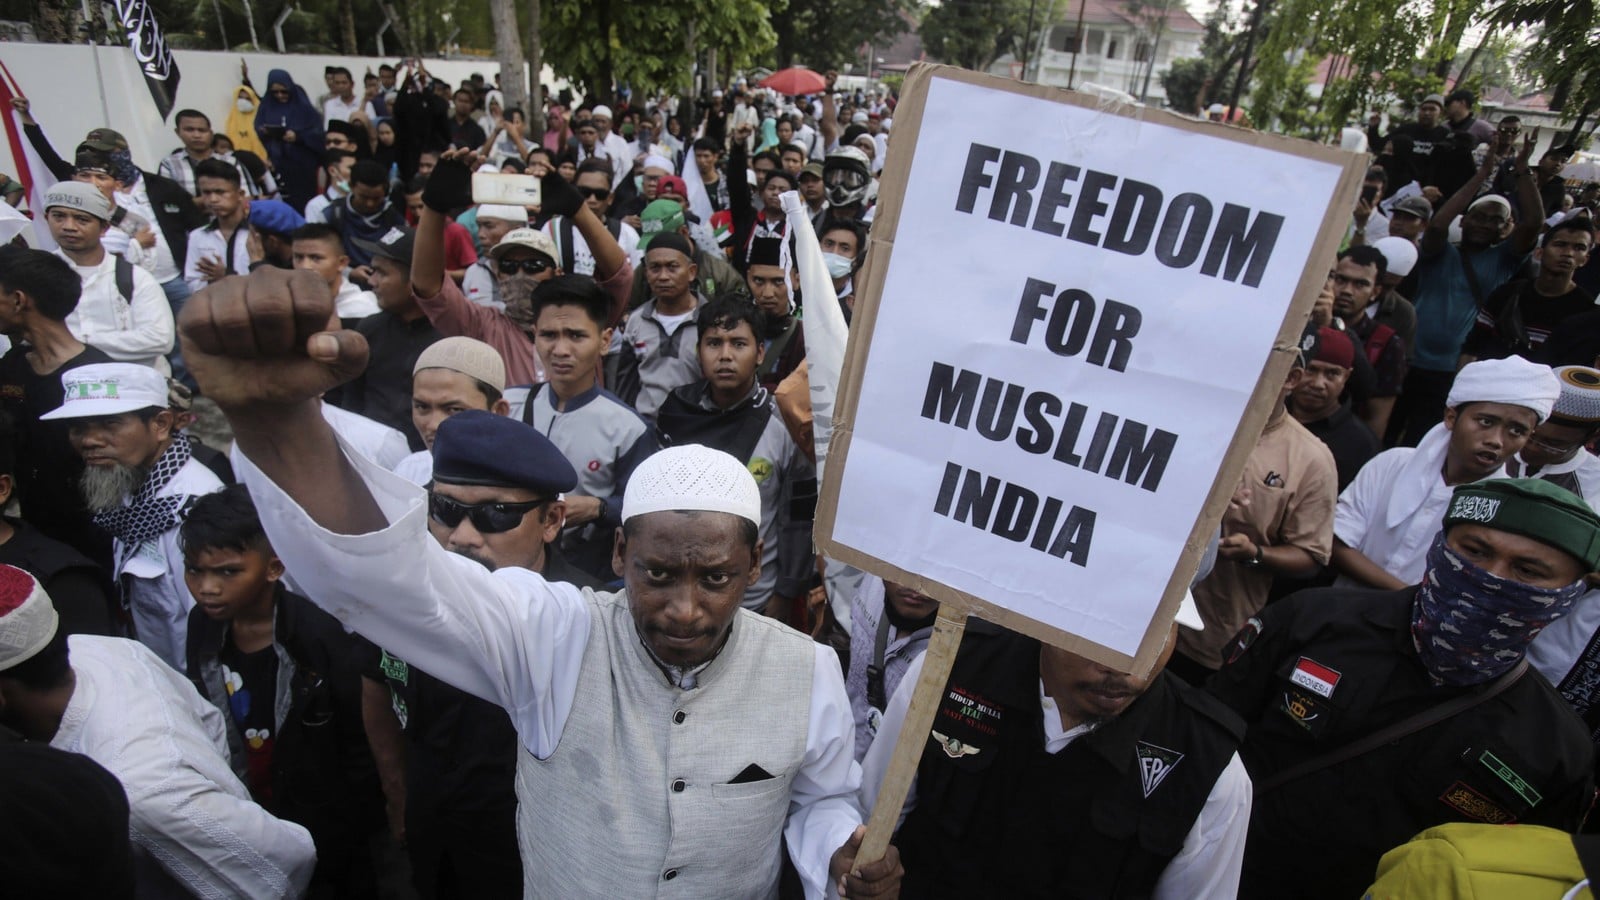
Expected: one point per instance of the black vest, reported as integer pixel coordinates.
(997, 816)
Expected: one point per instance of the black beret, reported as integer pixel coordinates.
(481, 448)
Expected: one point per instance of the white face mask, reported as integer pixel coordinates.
(244, 105)
(838, 266)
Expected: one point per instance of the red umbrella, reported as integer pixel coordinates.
(795, 81)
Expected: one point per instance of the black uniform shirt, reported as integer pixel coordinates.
(1325, 667)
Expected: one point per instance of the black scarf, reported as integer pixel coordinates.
(147, 516)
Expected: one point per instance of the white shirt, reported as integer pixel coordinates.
(582, 256)
(208, 243)
(1561, 644)
(1208, 866)
(317, 207)
(1584, 466)
(351, 302)
(187, 810)
(1395, 506)
(376, 441)
(337, 109)
(137, 332)
(158, 597)
(416, 468)
(164, 266)
(616, 150)
(517, 640)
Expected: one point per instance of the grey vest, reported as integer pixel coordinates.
(636, 799)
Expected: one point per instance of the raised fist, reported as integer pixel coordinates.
(263, 340)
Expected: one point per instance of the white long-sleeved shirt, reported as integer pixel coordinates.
(152, 575)
(376, 441)
(1213, 851)
(149, 727)
(164, 266)
(140, 331)
(208, 242)
(516, 640)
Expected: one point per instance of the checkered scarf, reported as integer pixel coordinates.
(147, 515)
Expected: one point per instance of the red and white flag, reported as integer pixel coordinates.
(34, 175)
(1315, 677)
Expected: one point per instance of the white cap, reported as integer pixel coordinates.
(1513, 381)
(860, 117)
(659, 162)
(1189, 614)
(1399, 254)
(109, 389)
(692, 478)
(28, 619)
(601, 112)
(532, 238)
(504, 212)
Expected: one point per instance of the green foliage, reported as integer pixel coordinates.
(974, 33)
(826, 34)
(1184, 81)
(1566, 53)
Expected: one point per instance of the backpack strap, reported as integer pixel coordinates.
(568, 259)
(1378, 340)
(1397, 730)
(124, 277)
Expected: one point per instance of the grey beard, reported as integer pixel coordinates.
(105, 487)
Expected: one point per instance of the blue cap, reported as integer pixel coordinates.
(274, 217)
(480, 448)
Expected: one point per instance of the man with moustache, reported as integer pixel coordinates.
(890, 625)
(1048, 774)
(785, 341)
(139, 482)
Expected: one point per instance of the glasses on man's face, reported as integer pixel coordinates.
(531, 266)
(596, 193)
(487, 518)
(1554, 449)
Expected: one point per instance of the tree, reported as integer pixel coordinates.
(508, 50)
(826, 34)
(1184, 81)
(974, 33)
(1566, 55)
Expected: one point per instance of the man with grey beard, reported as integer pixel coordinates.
(139, 483)
(495, 498)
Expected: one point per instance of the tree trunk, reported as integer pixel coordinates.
(508, 50)
(536, 125)
(347, 27)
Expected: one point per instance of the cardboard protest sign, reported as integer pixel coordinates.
(1064, 351)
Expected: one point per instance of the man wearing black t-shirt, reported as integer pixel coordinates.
(38, 290)
(1317, 404)
(1520, 316)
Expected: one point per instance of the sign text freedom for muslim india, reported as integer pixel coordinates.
(1076, 312)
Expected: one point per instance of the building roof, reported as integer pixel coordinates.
(1116, 12)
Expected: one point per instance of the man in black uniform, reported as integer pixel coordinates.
(1048, 775)
(450, 782)
(1320, 672)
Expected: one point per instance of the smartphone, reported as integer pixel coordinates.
(1369, 193)
(511, 189)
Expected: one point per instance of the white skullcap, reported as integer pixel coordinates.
(1580, 395)
(601, 112)
(860, 117)
(28, 619)
(503, 212)
(658, 162)
(692, 478)
(1513, 381)
(1494, 200)
(1399, 254)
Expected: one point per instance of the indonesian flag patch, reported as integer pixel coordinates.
(1315, 677)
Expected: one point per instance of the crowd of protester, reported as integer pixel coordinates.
(517, 596)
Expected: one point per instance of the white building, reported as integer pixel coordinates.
(1116, 47)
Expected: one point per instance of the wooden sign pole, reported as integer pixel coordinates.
(937, 661)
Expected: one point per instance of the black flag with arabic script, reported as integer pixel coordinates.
(149, 45)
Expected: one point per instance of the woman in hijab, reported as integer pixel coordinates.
(386, 153)
(291, 128)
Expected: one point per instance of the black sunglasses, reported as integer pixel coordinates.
(488, 518)
(531, 266)
(596, 193)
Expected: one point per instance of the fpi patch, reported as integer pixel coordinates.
(953, 748)
(1305, 711)
(1466, 800)
(1315, 677)
(1155, 764)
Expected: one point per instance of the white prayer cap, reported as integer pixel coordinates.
(860, 117)
(1399, 254)
(601, 112)
(1579, 403)
(503, 212)
(658, 162)
(1513, 381)
(28, 619)
(109, 389)
(692, 478)
(1494, 200)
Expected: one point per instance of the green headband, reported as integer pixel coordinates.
(1532, 508)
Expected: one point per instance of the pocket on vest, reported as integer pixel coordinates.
(750, 790)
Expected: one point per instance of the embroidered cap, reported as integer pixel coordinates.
(1531, 507)
(469, 356)
(109, 389)
(28, 619)
(531, 238)
(1579, 403)
(692, 478)
(79, 195)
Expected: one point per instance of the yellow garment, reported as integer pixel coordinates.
(1468, 861)
(241, 128)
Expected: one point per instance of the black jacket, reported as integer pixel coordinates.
(176, 212)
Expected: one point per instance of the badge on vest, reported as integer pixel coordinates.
(1155, 764)
(1463, 798)
(1242, 641)
(1315, 677)
(1305, 711)
(953, 748)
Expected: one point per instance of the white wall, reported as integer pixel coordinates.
(65, 90)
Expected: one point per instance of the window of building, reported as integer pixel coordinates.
(1064, 39)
